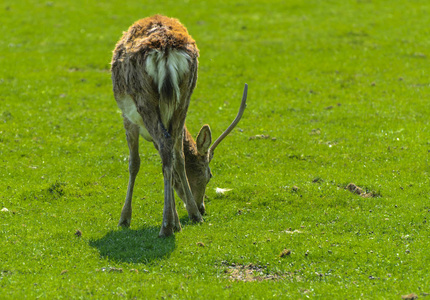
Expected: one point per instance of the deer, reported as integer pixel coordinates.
(154, 73)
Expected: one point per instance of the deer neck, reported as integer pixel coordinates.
(190, 148)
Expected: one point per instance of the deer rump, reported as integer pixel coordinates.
(157, 58)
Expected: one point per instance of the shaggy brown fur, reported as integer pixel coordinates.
(156, 32)
(170, 34)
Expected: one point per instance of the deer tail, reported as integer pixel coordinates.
(167, 68)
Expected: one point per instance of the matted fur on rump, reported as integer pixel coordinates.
(158, 46)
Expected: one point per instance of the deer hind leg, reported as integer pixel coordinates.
(177, 227)
(163, 142)
(170, 215)
(193, 212)
(132, 133)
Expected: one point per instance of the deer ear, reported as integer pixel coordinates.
(204, 140)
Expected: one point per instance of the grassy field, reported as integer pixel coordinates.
(338, 94)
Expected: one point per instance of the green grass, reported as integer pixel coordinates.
(343, 86)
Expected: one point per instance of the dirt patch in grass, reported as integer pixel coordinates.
(285, 252)
(262, 137)
(355, 189)
(249, 272)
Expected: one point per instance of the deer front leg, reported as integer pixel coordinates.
(190, 203)
(132, 133)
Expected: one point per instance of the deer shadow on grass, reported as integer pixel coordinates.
(134, 245)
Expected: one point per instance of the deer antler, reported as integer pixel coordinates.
(233, 124)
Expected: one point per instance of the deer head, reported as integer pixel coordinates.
(198, 155)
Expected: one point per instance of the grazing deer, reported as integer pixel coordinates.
(154, 72)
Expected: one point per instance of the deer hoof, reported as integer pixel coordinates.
(165, 232)
(177, 227)
(197, 218)
(202, 209)
(124, 222)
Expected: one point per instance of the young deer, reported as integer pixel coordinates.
(154, 72)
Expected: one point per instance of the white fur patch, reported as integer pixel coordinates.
(157, 66)
(166, 112)
(129, 109)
